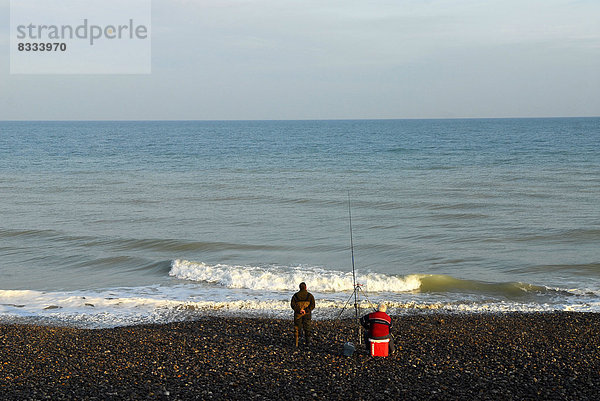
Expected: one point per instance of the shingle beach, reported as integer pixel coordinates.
(516, 356)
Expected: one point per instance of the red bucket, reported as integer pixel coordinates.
(379, 347)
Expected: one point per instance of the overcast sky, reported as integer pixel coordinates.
(330, 59)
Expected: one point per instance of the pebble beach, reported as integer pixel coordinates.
(515, 356)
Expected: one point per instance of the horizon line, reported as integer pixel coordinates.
(301, 119)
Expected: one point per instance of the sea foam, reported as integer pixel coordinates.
(145, 305)
(276, 278)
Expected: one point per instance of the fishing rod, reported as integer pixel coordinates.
(353, 269)
(356, 287)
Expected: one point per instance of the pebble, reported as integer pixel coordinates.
(510, 356)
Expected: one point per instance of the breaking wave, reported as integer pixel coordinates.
(276, 278)
(283, 278)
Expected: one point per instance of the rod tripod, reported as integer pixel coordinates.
(355, 294)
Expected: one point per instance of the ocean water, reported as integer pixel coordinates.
(115, 223)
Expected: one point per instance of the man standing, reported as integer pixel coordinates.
(377, 326)
(302, 303)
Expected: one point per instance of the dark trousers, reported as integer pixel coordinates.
(303, 322)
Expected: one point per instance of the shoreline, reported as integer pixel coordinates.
(533, 355)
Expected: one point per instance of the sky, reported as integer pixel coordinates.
(336, 59)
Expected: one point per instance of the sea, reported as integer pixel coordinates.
(113, 223)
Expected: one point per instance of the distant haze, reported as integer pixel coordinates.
(336, 59)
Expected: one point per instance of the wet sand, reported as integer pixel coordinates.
(440, 356)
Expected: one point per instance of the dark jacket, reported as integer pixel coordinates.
(302, 300)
